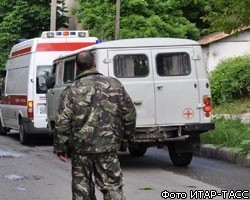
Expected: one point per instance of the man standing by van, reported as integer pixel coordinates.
(94, 116)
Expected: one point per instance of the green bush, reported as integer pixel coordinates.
(231, 80)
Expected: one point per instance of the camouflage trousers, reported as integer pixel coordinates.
(104, 168)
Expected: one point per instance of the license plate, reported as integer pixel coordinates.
(42, 110)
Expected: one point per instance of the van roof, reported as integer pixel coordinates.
(62, 44)
(138, 42)
(147, 42)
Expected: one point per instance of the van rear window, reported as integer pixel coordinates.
(41, 75)
(129, 66)
(173, 64)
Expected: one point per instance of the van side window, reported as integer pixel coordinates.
(126, 66)
(69, 71)
(16, 85)
(173, 64)
(54, 69)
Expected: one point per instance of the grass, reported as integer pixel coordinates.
(230, 133)
(236, 107)
(147, 188)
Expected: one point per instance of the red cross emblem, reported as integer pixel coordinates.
(188, 113)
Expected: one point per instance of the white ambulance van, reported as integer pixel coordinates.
(23, 101)
(167, 81)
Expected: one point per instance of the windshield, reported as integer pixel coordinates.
(41, 75)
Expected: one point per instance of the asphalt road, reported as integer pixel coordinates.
(34, 173)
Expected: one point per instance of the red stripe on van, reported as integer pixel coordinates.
(18, 100)
(71, 46)
(21, 51)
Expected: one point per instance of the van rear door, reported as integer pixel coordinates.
(42, 72)
(132, 67)
(176, 86)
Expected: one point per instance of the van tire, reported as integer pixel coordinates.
(22, 133)
(137, 150)
(182, 159)
(3, 130)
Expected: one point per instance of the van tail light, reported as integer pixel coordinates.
(30, 109)
(207, 105)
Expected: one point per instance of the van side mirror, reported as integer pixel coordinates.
(50, 81)
(2, 73)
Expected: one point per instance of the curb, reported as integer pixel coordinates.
(223, 153)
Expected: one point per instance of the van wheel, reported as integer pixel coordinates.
(137, 150)
(22, 133)
(179, 159)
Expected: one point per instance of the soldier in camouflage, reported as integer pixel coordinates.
(95, 116)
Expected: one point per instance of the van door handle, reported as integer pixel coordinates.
(137, 102)
(52, 93)
(160, 87)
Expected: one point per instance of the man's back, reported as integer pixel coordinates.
(102, 110)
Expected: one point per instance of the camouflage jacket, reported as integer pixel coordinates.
(95, 113)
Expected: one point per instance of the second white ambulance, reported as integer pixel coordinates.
(23, 101)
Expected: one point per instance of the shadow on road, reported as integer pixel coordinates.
(34, 140)
(149, 161)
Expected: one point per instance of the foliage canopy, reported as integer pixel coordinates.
(24, 19)
(140, 18)
(227, 15)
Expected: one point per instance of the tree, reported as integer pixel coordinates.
(139, 18)
(24, 19)
(194, 11)
(227, 16)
